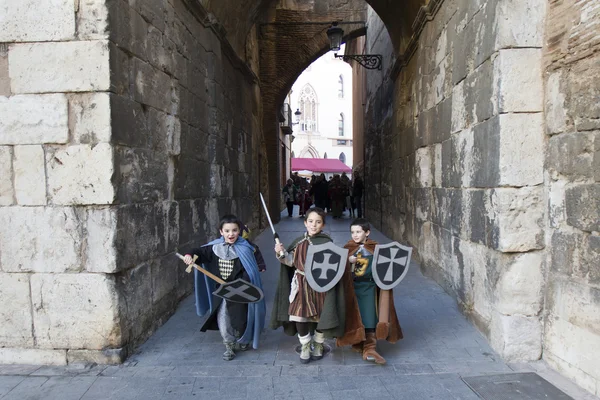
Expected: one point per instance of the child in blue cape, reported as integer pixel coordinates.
(230, 257)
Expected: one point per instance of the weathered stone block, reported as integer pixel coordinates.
(102, 357)
(573, 344)
(484, 158)
(564, 248)
(128, 116)
(517, 219)
(474, 270)
(7, 191)
(15, 313)
(59, 67)
(437, 166)
(136, 289)
(92, 19)
(48, 239)
(464, 158)
(459, 112)
(521, 158)
(30, 180)
(120, 69)
(577, 303)
(478, 92)
(158, 129)
(463, 59)
(4, 76)
(446, 209)
(569, 154)
(476, 219)
(142, 175)
(515, 70)
(584, 105)
(33, 356)
(101, 229)
(516, 337)
(89, 116)
(76, 311)
(137, 223)
(450, 174)
(152, 86)
(34, 119)
(520, 24)
(424, 174)
(30, 20)
(80, 174)
(485, 32)
(556, 113)
(519, 290)
(583, 207)
(164, 277)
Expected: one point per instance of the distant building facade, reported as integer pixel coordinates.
(323, 95)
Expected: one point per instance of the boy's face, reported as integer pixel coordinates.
(314, 223)
(358, 234)
(230, 232)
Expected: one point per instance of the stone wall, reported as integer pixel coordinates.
(126, 129)
(572, 105)
(466, 149)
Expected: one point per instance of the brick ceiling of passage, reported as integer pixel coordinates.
(238, 16)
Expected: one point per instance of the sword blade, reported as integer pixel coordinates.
(275, 235)
(262, 200)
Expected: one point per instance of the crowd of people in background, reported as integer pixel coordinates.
(335, 195)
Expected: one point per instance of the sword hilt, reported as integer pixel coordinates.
(276, 237)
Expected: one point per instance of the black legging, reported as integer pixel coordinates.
(290, 207)
(304, 328)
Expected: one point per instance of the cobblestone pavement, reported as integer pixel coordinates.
(179, 362)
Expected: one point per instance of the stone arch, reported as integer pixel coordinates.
(310, 151)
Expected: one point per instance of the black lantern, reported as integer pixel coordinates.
(369, 61)
(297, 114)
(335, 34)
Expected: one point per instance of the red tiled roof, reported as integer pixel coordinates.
(319, 165)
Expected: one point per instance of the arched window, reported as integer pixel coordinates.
(293, 155)
(308, 108)
(341, 87)
(325, 155)
(341, 125)
(343, 158)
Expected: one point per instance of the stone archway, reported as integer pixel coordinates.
(154, 115)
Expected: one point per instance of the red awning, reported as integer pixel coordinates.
(319, 165)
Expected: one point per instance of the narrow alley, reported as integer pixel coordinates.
(440, 348)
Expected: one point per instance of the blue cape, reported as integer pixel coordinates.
(256, 311)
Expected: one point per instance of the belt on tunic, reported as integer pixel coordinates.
(363, 279)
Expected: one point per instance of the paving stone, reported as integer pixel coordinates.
(54, 388)
(7, 383)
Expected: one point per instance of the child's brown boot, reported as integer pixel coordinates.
(370, 349)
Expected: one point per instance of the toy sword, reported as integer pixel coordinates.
(275, 235)
(238, 291)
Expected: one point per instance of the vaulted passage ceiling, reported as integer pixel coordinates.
(238, 16)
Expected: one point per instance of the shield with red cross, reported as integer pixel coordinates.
(325, 265)
(390, 264)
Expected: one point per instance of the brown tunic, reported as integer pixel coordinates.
(308, 303)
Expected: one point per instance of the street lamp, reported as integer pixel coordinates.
(335, 35)
(297, 114)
